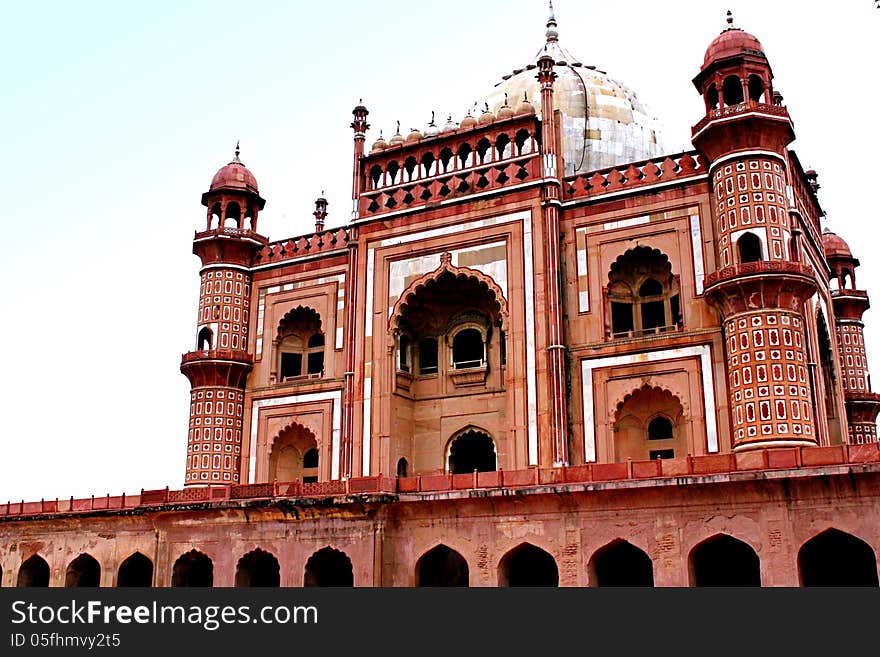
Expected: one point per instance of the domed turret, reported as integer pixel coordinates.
(835, 247)
(524, 106)
(468, 121)
(379, 145)
(732, 42)
(505, 111)
(413, 136)
(397, 138)
(234, 175)
(488, 116)
(433, 129)
(450, 124)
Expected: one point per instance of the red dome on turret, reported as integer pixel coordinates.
(835, 246)
(732, 42)
(234, 175)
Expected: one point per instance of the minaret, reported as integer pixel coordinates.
(552, 175)
(759, 286)
(218, 368)
(850, 303)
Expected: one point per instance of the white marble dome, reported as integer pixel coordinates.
(604, 123)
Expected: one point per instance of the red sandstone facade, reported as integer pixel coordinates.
(663, 358)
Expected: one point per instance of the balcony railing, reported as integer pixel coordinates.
(217, 354)
(756, 268)
(242, 233)
(737, 110)
(801, 459)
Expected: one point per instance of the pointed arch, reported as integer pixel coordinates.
(837, 558)
(722, 560)
(33, 572)
(442, 566)
(193, 569)
(84, 571)
(288, 451)
(136, 570)
(329, 567)
(528, 565)
(471, 448)
(258, 568)
(649, 423)
(620, 563)
(643, 295)
(446, 267)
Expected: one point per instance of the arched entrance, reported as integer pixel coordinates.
(137, 570)
(528, 565)
(193, 569)
(650, 424)
(442, 566)
(621, 564)
(34, 572)
(258, 568)
(83, 571)
(294, 455)
(724, 561)
(471, 450)
(329, 567)
(835, 558)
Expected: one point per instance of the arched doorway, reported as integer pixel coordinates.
(329, 567)
(650, 424)
(258, 568)
(294, 455)
(34, 572)
(724, 561)
(621, 564)
(83, 571)
(528, 565)
(471, 450)
(643, 295)
(442, 566)
(193, 569)
(137, 570)
(835, 558)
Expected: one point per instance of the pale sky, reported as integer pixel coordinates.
(117, 115)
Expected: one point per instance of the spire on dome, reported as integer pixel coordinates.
(552, 33)
(235, 160)
(730, 25)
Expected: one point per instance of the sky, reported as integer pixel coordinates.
(117, 115)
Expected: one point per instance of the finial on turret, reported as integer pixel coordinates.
(320, 212)
(552, 34)
(235, 160)
(730, 20)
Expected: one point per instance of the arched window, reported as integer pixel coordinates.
(393, 170)
(310, 466)
(484, 148)
(642, 294)
(660, 428)
(445, 159)
(502, 146)
(409, 166)
(315, 354)
(328, 567)
(733, 90)
(34, 572)
(472, 450)
(428, 164)
(749, 248)
(756, 89)
(402, 468)
(233, 215)
(137, 570)
(83, 571)
(712, 97)
(523, 141)
(294, 455)
(375, 176)
(300, 345)
(404, 354)
(464, 156)
(205, 339)
(468, 349)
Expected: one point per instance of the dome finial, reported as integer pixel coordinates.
(552, 33)
(235, 160)
(730, 20)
